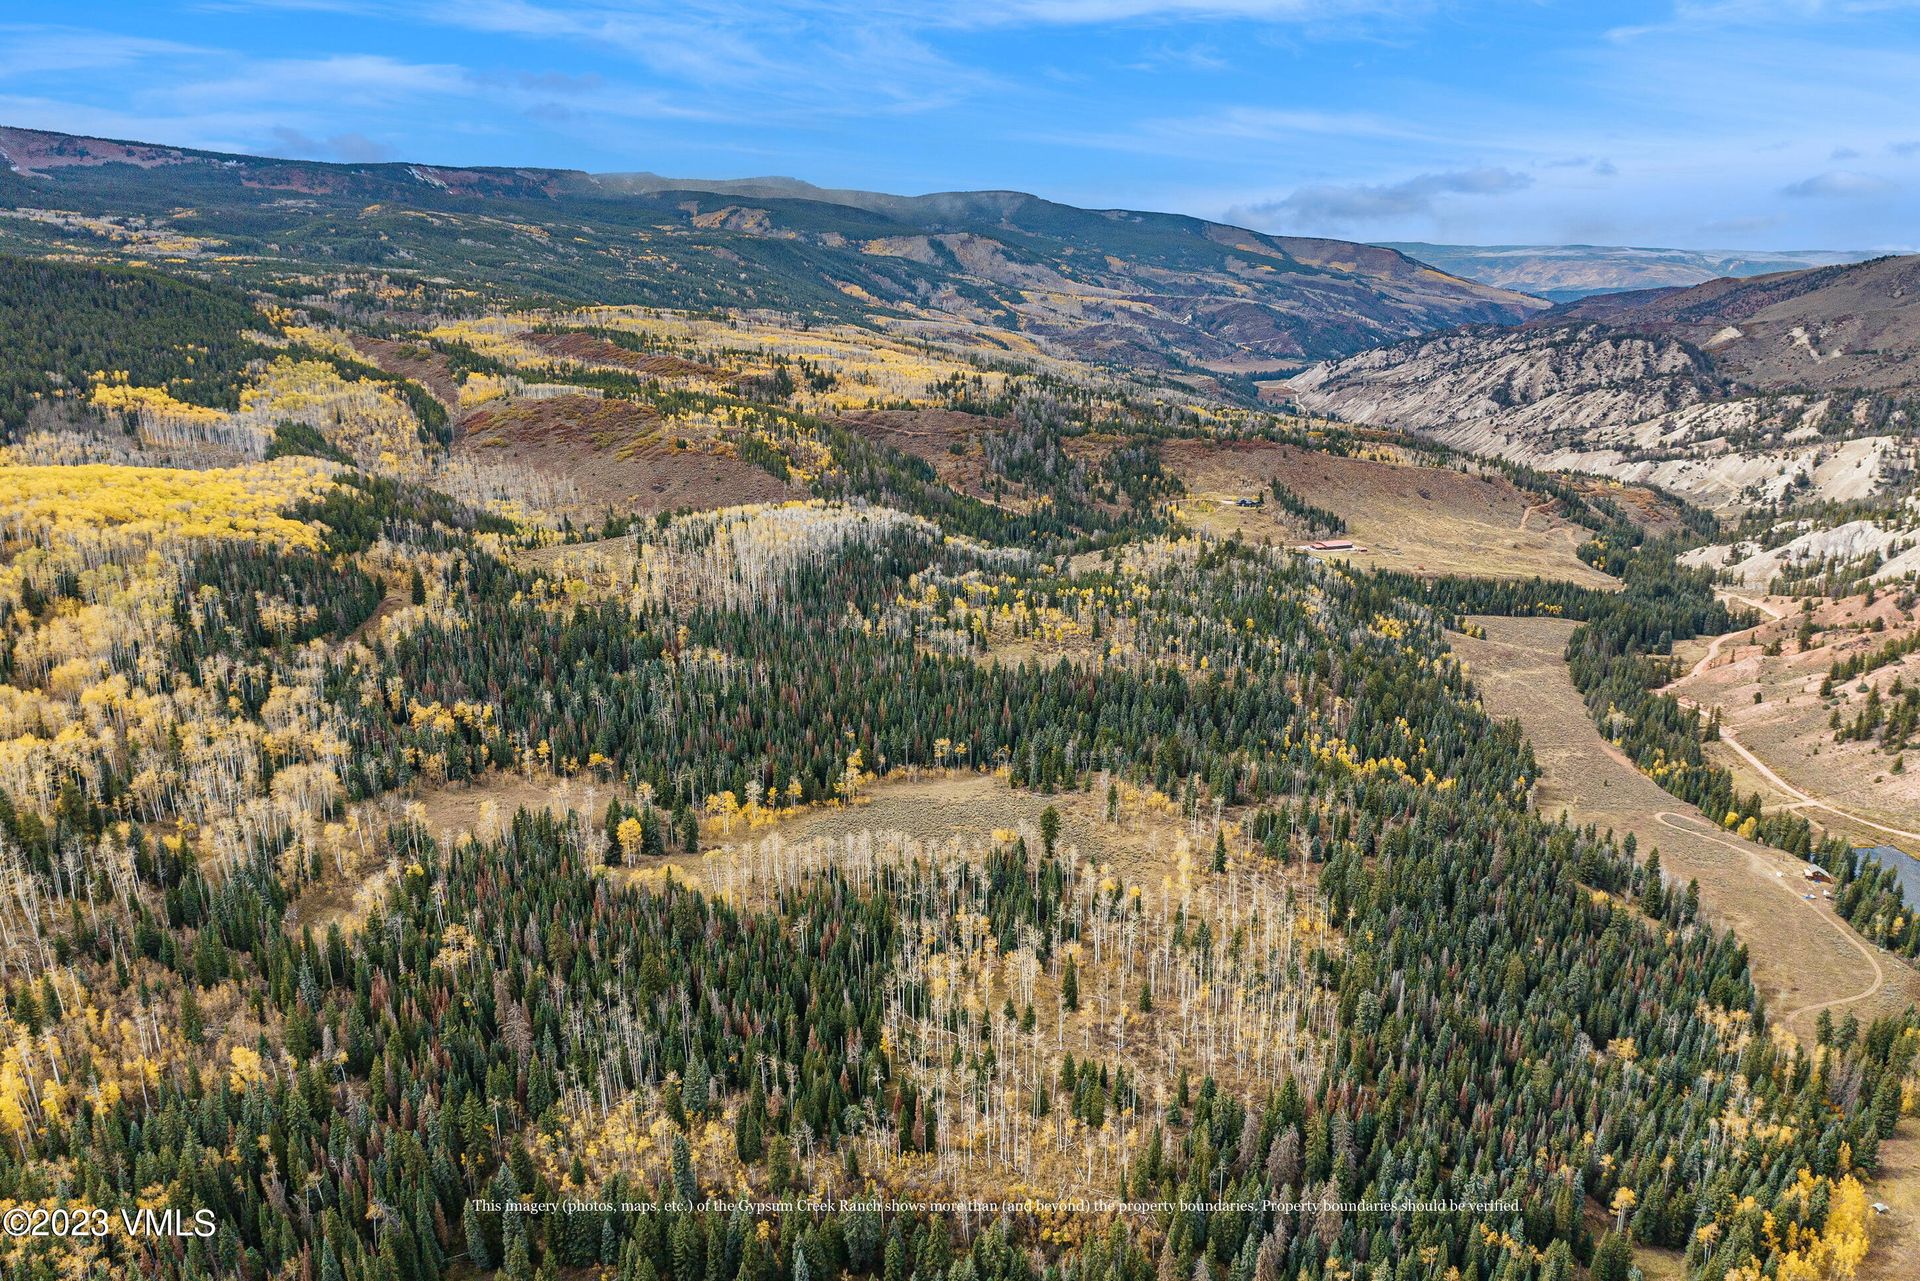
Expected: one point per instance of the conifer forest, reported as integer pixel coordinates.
(504, 778)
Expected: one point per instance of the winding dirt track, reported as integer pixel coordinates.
(1804, 958)
(1713, 651)
(1713, 647)
(1802, 799)
(1706, 831)
(1798, 797)
(1765, 607)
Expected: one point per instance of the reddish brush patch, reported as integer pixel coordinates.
(420, 363)
(617, 455)
(932, 436)
(35, 151)
(925, 433)
(595, 350)
(587, 420)
(1643, 506)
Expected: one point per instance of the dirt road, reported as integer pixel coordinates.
(1700, 828)
(1804, 958)
(1797, 797)
(1773, 613)
(1800, 799)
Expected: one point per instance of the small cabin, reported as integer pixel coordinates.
(1818, 875)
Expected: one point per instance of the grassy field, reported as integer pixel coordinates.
(1140, 847)
(1409, 517)
(1804, 957)
(930, 807)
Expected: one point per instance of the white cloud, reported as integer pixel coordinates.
(1842, 183)
(1330, 206)
(575, 17)
(350, 80)
(1097, 12)
(352, 148)
(41, 50)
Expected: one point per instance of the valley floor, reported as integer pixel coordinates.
(1805, 959)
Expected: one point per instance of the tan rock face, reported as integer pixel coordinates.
(1732, 393)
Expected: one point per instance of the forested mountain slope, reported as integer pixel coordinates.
(1158, 290)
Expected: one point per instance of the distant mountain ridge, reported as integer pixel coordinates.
(1562, 273)
(1160, 291)
(1734, 391)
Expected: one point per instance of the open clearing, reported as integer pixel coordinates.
(931, 805)
(616, 454)
(1804, 957)
(1141, 846)
(1776, 722)
(1409, 517)
(964, 803)
(481, 808)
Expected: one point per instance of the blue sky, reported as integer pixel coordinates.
(1704, 123)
